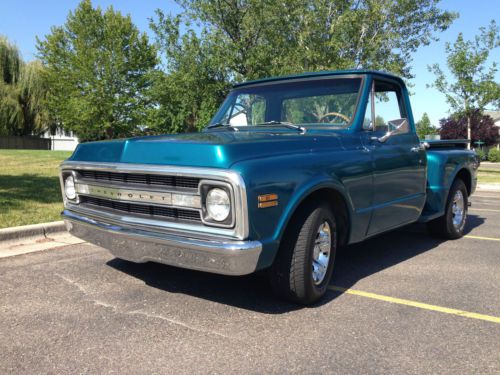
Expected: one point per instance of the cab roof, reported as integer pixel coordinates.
(320, 74)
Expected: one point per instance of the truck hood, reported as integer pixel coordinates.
(217, 149)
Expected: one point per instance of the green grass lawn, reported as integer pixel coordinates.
(488, 176)
(29, 186)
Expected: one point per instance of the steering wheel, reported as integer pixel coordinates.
(335, 114)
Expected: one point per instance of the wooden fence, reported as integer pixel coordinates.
(25, 143)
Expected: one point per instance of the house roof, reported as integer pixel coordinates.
(320, 74)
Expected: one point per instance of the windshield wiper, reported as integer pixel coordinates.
(288, 125)
(220, 125)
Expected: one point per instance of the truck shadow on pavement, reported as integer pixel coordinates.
(253, 292)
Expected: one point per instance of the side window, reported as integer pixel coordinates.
(388, 107)
(248, 109)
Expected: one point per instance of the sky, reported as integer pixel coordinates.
(21, 21)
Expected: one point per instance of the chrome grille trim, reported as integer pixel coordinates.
(241, 225)
(171, 181)
(145, 210)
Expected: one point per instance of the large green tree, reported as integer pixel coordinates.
(193, 82)
(213, 43)
(473, 86)
(22, 94)
(99, 68)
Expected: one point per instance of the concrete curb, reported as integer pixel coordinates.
(35, 230)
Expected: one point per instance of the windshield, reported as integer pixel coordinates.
(319, 102)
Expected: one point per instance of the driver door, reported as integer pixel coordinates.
(399, 164)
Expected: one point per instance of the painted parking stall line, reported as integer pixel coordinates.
(420, 305)
(482, 238)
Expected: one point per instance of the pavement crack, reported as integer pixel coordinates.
(115, 309)
(176, 322)
(85, 292)
(74, 283)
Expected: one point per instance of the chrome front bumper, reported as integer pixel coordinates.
(217, 256)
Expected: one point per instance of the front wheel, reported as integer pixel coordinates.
(303, 267)
(451, 225)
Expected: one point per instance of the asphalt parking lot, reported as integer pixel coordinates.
(400, 303)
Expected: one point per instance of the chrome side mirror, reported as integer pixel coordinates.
(398, 126)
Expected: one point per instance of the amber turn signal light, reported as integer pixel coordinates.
(268, 204)
(268, 197)
(268, 200)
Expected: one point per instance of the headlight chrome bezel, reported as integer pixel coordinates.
(205, 187)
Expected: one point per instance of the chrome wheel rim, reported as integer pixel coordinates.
(321, 252)
(458, 210)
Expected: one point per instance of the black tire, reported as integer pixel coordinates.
(443, 226)
(291, 275)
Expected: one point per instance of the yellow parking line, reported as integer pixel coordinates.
(419, 305)
(483, 238)
(483, 209)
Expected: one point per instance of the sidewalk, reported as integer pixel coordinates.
(37, 237)
(31, 245)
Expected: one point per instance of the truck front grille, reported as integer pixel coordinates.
(141, 179)
(156, 212)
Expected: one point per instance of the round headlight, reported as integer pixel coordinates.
(69, 187)
(218, 204)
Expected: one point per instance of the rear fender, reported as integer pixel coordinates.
(443, 169)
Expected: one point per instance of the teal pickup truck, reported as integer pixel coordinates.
(289, 169)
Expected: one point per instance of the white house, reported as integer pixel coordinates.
(495, 115)
(62, 140)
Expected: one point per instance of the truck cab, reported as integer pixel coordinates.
(288, 170)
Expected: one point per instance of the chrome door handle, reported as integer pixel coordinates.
(415, 149)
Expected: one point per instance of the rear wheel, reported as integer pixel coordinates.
(451, 225)
(303, 267)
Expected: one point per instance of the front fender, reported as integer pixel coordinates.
(293, 183)
(302, 192)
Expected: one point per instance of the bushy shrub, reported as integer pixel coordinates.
(494, 155)
(481, 154)
(483, 128)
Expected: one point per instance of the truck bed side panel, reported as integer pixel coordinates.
(443, 166)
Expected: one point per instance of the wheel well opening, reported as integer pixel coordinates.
(465, 176)
(339, 208)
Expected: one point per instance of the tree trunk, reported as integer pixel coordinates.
(469, 133)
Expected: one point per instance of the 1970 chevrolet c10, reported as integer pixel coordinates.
(288, 170)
